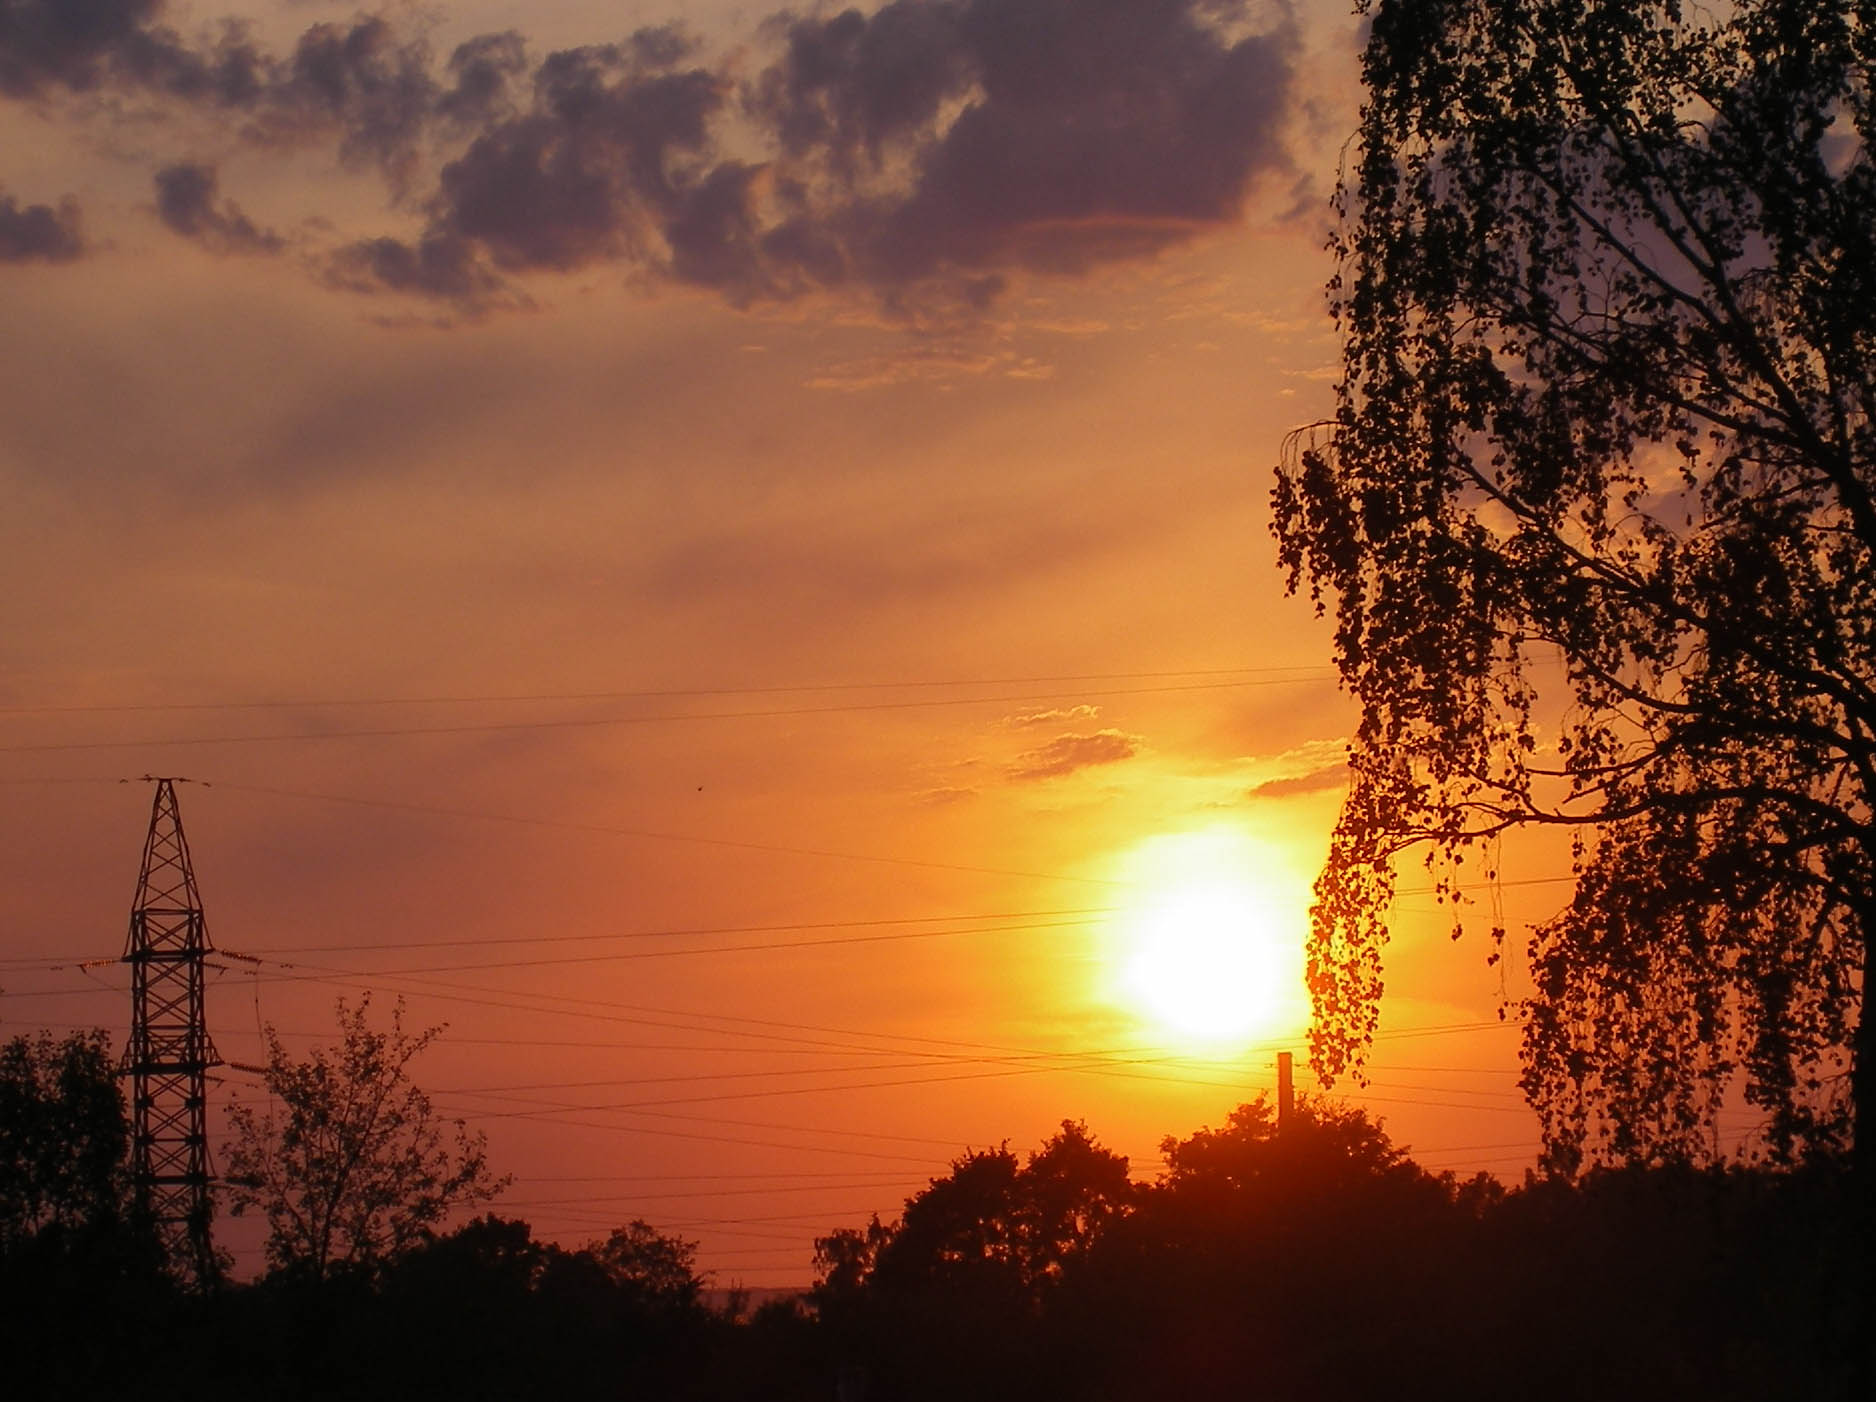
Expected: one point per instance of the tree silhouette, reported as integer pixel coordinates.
(82, 1272)
(1261, 1241)
(994, 1220)
(1596, 514)
(355, 1167)
(947, 1301)
(64, 1137)
(653, 1270)
(1325, 1150)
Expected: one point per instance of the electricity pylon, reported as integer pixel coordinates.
(169, 1052)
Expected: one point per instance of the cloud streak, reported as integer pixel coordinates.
(1313, 767)
(1055, 716)
(1330, 776)
(1067, 754)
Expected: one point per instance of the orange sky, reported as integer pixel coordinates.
(859, 626)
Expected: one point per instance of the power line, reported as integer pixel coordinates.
(489, 941)
(601, 722)
(1312, 673)
(747, 1142)
(610, 831)
(823, 1049)
(1449, 1090)
(689, 930)
(890, 1178)
(844, 1150)
(700, 1193)
(476, 995)
(788, 1032)
(511, 1092)
(1475, 1109)
(1062, 1064)
(1066, 1065)
(424, 985)
(949, 1145)
(766, 946)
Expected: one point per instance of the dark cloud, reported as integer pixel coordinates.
(67, 43)
(485, 75)
(435, 266)
(590, 171)
(932, 146)
(611, 160)
(715, 237)
(1067, 753)
(39, 232)
(363, 81)
(924, 151)
(225, 72)
(1085, 130)
(80, 45)
(853, 88)
(185, 201)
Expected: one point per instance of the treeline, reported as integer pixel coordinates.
(1312, 1260)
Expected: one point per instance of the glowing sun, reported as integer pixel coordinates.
(1210, 948)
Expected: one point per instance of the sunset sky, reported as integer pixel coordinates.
(721, 552)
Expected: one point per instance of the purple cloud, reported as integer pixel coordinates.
(185, 202)
(39, 232)
(924, 152)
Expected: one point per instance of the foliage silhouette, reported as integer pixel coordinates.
(1315, 1260)
(64, 1137)
(354, 1168)
(950, 1294)
(1257, 1234)
(81, 1272)
(659, 1270)
(1596, 514)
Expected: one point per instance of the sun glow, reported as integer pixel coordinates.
(1210, 951)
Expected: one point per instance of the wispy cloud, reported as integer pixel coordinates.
(939, 797)
(1312, 767)
(1330, 776)
(1060, 716)
(935, 364)
(1066, 754)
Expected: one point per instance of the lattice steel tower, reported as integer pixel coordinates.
(169, 1052)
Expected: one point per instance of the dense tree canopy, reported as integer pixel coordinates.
(1325, 1152)
(1596, 515)
(64, 1137)
(655, 1270)
(993, 1222)
(1309, 1258)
